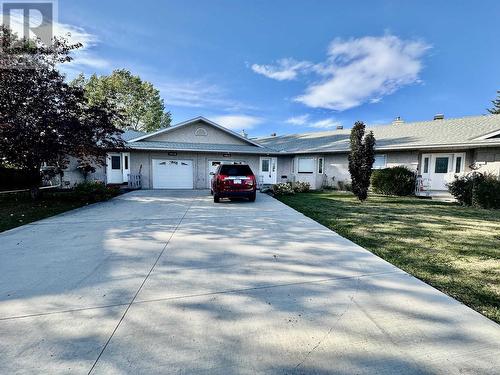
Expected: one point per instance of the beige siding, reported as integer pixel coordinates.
(72, 174)
(187, 134)
(284, 168)
(488, 160)
(200, 164)
(337, 165)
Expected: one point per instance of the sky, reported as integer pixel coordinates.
(296, 66)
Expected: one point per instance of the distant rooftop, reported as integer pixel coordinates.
(460, 132)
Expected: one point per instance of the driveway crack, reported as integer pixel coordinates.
(339, 317)
(140, 287)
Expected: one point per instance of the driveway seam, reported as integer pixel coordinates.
(140, 288)
(229, 291)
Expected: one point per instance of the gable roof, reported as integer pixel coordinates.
(127, 135)
(206, 147)
(460, 132)
(190, 122)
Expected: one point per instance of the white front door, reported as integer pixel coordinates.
(114, 171)
(268, 170)
(440, 170)
(172, 174)
(125, 166)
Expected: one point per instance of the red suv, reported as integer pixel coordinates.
(233, 180)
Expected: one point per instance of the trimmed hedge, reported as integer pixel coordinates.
(283, 189)
(393, 181)
(476, 189)
(93, 191)
(301, 187)
(13, 179)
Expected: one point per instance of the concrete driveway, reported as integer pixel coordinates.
(167, 282)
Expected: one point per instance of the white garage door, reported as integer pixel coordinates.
(172, 174)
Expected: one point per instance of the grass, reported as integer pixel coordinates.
(455, 249)
(17, 209)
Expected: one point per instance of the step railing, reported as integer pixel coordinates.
(134, 181)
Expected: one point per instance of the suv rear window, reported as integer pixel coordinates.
(235, 170)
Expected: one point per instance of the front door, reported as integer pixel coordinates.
(114, 168)
(268, 170)
(440, 170)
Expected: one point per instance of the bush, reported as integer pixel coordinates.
(92, 191)
(283, 189)
(344, 186)
(476, 189)
(393, 181)
(487, 193)
(301, 187)
(13, 179)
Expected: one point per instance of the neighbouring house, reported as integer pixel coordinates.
(182, 156)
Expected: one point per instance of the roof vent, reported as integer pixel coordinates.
(398, 120)
(340, 127)
(244, 133)
(439, 116)
(273, 134)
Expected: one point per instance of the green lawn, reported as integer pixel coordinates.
(453, 248)
(18, 209)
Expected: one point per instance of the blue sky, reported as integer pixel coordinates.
(296, 66)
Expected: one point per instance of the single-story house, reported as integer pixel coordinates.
(182, 156)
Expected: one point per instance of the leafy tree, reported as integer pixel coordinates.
(361, 159)
(496, 105)
(43, 120)
(141, 103)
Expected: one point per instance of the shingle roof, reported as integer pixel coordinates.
(461, 132)
(181, 146)
(127, 135)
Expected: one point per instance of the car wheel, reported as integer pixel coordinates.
(216, 198)
(252, 197)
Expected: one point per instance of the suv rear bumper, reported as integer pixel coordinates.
(238, 193)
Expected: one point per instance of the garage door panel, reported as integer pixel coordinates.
(172, 174)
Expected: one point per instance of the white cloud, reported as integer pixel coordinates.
(357, 71)
(285, 69)
(324, 124)
(303, 120)
(298, 120)
(198, 94)
(82, 57)
(237, 122)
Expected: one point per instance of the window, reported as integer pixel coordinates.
(126, 162)
(306, 165)
(426, 165)
(293, 165)
(458, 164)
(236, 170)
(115, 162)
(441, 165)
(265, 165)
(200, 132)
(320, 165)
(380, 162)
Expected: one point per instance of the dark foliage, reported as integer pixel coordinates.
(496, 105)
(13, 179)
(361, 158)
(487, 193)
(476, 189)
(92, 191)
(42, 118)
(393, 181)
